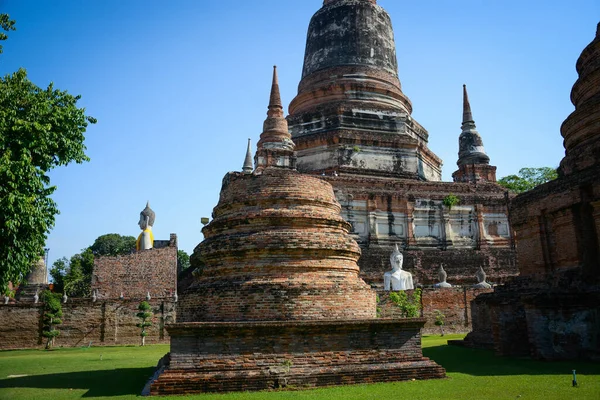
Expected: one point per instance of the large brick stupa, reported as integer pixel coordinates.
(277, 300)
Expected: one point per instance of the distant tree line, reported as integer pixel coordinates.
(528, 178)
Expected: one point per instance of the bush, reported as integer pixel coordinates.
(410, 307)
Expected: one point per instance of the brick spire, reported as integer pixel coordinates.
(275, 106)
(248, 165)
(473, 162)
(467, 115)
(275, 147)
(470, 145)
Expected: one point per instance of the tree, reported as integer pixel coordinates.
(40, 129)
(183, 261)
(58, 271)
(6, 24)
(143, 314)
(439, 320)
(78, 279)
(51, 316)
(113, 244)
(528, 178)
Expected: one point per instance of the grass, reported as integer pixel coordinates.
(120, 373)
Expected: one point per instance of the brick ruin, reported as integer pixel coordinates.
(107, 317)
(552, 310)
(136, 275)
(352, 124)
(277, 300)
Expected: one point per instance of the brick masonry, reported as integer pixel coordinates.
(454, 303)
(552, 310)
(217, 357)
(134, 275)
(113, 322)
(100, 323)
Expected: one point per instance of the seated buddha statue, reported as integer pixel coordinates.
(145, 240)
(397, 279)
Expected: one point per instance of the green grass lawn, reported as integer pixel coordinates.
(120, 373)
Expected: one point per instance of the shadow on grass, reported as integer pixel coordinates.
(485, 363)
(115, 382)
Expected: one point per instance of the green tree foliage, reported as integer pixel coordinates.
(7, 25)
(40, 129)
(78, 279)
(410, 306)
(58, 271)
(145, 312)
(52, 313)
(74, 275)
(183, 261)
(113, 244)
(528, 178)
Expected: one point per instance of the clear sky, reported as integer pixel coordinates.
(178, 86)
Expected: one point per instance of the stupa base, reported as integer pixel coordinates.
(231, 356)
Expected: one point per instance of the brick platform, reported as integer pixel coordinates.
(221, 357)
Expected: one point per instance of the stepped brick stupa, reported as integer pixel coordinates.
(277, 300)
(352, 123)
(552, 310)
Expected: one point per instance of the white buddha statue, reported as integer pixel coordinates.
(397, 279)
(481, 283)
(442, 276)
(146, 239)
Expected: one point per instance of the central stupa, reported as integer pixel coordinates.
(277, 299)
(350, 98)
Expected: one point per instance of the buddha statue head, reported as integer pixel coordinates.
(442, 275)
(396, 259)
(146, 218)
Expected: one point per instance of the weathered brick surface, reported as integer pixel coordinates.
(110, 322)
(386, 211)
(208, 357)
(20, 327)
(453, 302)
(134, 275)
(277, 249)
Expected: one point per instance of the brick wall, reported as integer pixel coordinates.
(110, 322)
(461, 265)
(210, 357)
(454, 303)
(136, 274)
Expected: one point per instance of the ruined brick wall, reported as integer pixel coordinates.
(134, 275)
(84, 322)
(565, 326)
(218, 357)
(461, 265)
(454, 303)
(20, 327)
(557, 225)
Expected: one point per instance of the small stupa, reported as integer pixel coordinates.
(277, 300)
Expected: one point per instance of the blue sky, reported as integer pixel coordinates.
(178, 87)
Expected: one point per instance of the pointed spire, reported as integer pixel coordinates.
(248, 165)
(470, 144)
(275, 147)
(467, 115)
(275, 106)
